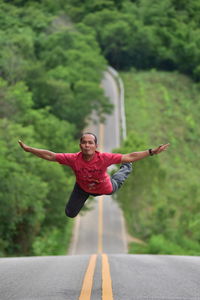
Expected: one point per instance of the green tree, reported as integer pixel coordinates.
(22, 194)
(15, 101)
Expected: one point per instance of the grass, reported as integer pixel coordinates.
(163, 195)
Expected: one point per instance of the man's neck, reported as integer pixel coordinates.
(88, 157)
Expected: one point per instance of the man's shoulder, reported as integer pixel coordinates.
(75, 155)
(106, 154)
(102, 154)
(111, 157)
(66, 157)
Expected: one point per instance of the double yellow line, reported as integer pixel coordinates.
(86, 290)
(100, 200)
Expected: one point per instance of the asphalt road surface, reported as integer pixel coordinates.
(102, 228)
(129, 277)
(99, 272)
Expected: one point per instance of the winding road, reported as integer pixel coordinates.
(98, 266)
(102, 228)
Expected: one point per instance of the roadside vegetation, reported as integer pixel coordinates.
(50, 82)
(161, 198)
(52, 57)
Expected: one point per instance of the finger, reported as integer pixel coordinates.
(21, 144)
(164, 146)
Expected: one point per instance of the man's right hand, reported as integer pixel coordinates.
(45, 154)
(24, 146)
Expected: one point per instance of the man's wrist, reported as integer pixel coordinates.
(151, 153)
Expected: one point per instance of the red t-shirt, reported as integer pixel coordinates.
(91, 175)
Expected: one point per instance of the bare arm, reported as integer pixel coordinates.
(45, 154)
(134, 156)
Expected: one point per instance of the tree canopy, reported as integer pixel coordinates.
(51, 71)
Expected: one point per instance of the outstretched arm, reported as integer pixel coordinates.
(134, 156)
(45, 154)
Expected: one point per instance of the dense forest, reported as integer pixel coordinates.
(52, 57)
(50, 82)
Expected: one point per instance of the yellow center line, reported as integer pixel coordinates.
(100, 200)
(100, 224)
(86, 291)
(106, 278)
(88, 279)
(107, 293)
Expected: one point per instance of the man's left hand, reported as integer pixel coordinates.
(160, 149)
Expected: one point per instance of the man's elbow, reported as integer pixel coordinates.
(51, 157)
(127, 158)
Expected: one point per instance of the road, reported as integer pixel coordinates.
(101, 273)
(132, 277)
(105, 218)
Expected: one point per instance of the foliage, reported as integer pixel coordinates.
(52, 57)
(142, 34)
(22, 194)
(162, 194)
(158, 244)
(51, 242)
(149, 34)
(51, 71)
(59, 63)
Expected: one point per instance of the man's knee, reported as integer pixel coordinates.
(71, 213)
(127, 166)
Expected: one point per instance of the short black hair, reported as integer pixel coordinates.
(82, 135)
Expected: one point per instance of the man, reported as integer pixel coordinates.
(90, 166)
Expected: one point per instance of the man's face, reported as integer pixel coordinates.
(87, 145)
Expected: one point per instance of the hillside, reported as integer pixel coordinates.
(161, 200)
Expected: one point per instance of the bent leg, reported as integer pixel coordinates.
(119, 177)
(76, 201)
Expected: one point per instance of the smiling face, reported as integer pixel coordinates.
(88, 145)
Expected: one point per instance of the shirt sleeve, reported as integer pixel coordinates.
(112, 158)
(65, 158)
